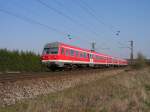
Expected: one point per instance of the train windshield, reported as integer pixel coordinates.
(52, 50)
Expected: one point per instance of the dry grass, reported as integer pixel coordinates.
(126, 92)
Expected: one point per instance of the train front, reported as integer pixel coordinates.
(50, 55)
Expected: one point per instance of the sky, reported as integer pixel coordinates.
(30, 24)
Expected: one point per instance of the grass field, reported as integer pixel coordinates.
(128, 91)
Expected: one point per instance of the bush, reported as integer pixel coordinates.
(140, 62)
(19, 61)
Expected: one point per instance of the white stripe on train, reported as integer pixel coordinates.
(68, 61)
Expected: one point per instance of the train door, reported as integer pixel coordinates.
(91, 61)
(91, 58)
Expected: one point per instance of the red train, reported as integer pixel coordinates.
(59, 55)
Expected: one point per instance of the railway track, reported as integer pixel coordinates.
(15, 87)
(4, 78)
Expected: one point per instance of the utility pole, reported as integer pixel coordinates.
(93, 46)
(131, 54)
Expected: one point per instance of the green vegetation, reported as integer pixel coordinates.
(19, 61)
(140, 62)
(125, 92)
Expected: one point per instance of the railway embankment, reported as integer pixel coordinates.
(110, 91)
(15, 90)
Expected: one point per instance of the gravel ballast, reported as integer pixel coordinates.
(11, 92)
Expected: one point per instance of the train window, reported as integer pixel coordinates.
(84, 55)
(88, 55)
(62, 51)
(81, 54)
(52, 50)
(67, 52)
(100, 57)
(91, 56)
(77, 53)
(46, 51)
(72, 52)
(96, 57)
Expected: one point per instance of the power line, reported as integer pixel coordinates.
(91, 12)
(31, 21)
(20, 6)
(102, 48)
(55, 10)
(62, 5)
(66, 16)
(69, 35)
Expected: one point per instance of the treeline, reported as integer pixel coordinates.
(19, 61)
(140, 62)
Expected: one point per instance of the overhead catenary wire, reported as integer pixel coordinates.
(98, 18)
(77, 16)
(32, 21)
(92, 13)
(71, 19)
(54, 9)
(68, 35)
(62, 5)
(67, 17)
(102, 48)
